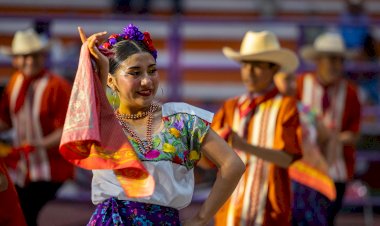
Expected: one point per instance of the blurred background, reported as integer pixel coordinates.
(189, 36)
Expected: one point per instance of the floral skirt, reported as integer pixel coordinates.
(120, 212)
(309, 207)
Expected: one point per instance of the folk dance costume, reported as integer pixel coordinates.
(263, 195)
(132, 185)
(176, 149)
(35, 108)
(338, 108)
(312, 187)
(28, 108)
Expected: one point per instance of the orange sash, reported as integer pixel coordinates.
(313, 178)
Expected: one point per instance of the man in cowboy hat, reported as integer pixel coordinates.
(312, 187)
(335, 102)
(264, 128)
(34, 105)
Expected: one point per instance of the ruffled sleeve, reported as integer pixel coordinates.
(197, 123)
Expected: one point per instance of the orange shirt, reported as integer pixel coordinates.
(52, 113)
(277, 201)
(350, 119)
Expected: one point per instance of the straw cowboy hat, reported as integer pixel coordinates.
(25, 42)
(326, 43)
(263, 46)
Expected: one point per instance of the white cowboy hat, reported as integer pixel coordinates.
(263, 46)
(326, 43)
(25, 42)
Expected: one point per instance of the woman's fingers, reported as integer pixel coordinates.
(82, 35)
(96, 38)
(93, 42)
(101, 36)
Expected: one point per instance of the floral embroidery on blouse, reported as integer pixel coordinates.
(180, 140)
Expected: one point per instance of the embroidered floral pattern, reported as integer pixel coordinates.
(179, 141)
(121, 212)
(79, 108)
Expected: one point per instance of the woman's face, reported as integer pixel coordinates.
(257, 76)
(136, 81)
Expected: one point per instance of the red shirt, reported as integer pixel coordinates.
(10, 209)
(350, 120)
(52, 113)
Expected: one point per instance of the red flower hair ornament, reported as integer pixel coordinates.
(130, 32)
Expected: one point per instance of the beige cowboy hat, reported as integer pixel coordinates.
(263, 46)
(326, 43)
(25, 42)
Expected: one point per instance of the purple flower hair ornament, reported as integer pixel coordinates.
(130, 32)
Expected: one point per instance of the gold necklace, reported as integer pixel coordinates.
(144, 146)
(132, 116)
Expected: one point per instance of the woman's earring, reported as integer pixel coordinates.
(162, 92)
(114, 96)
(158, 97)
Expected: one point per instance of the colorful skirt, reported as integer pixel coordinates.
(121, 212)
(309, 207)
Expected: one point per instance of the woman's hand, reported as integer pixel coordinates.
(101, 60)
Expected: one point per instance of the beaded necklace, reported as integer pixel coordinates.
(144, 145)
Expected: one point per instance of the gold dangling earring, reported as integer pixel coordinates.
(114, 96)
(157, 98)
(162, 92)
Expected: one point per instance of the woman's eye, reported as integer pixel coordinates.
(134, 73)
(152, 71)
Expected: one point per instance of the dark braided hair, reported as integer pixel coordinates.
(124, 49)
